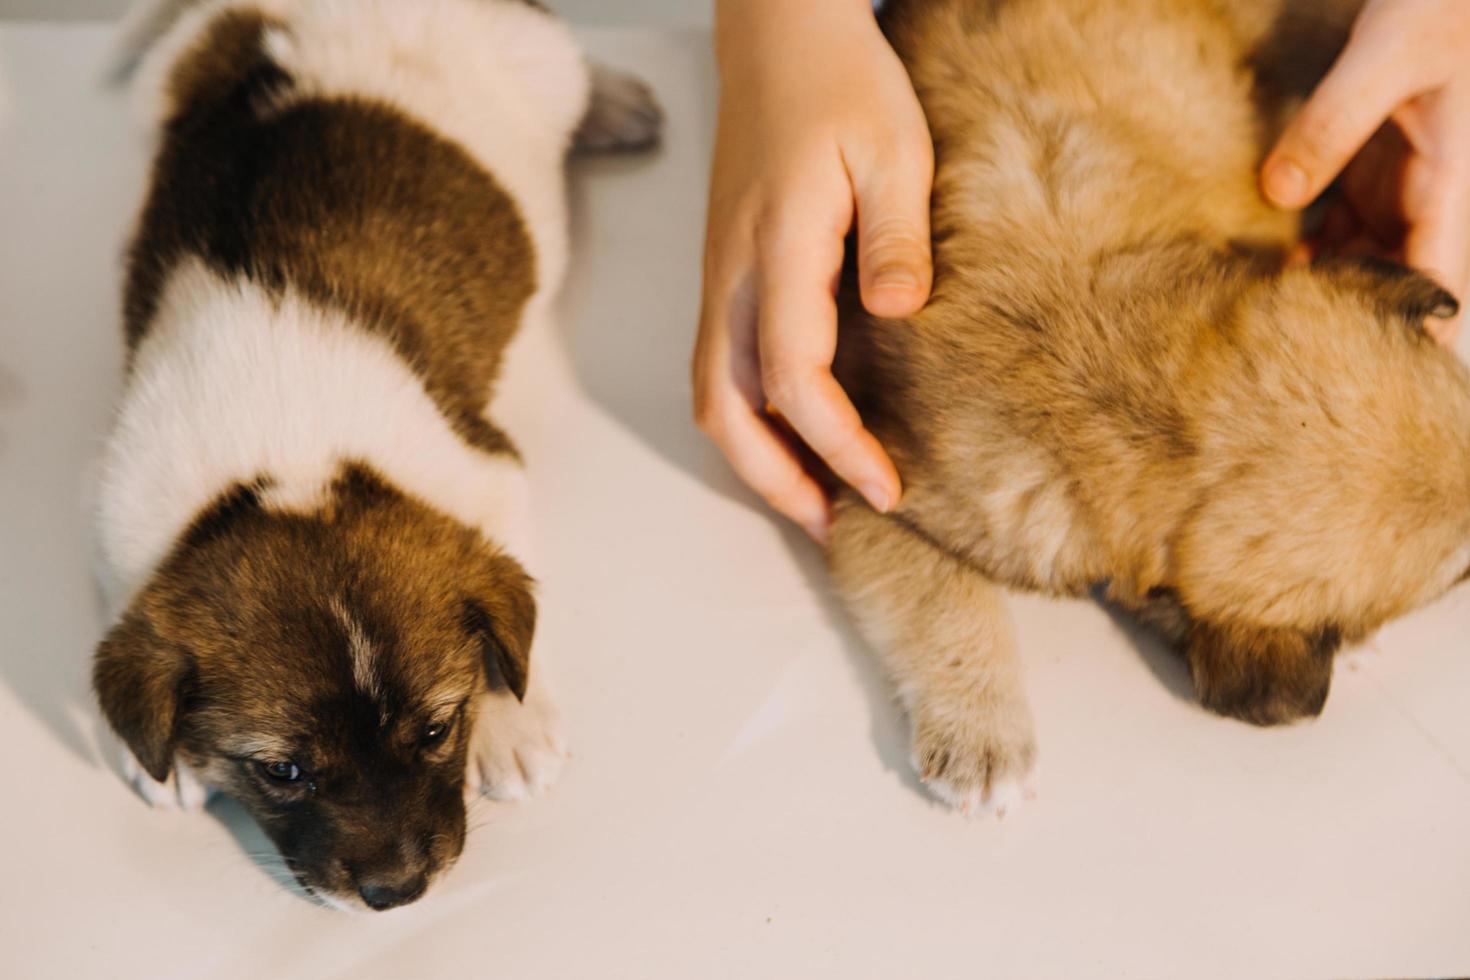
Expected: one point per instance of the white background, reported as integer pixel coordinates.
(740, 803)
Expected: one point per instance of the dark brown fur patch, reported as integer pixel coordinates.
(217, 518)
(1397, 291)
(1262, 675)
(224, 60)
(144, 684)
(349, 202)
(504, 623)
(240, 652)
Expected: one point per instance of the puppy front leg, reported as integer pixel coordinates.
(518, 748)
(184, 789)
(945, 637)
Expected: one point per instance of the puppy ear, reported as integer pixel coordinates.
(1416, 297)
(143, 684)
(1405, 292)
(502, 616)
(1263, 675)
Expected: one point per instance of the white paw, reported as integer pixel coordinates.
(183, 790)
(518, 748)
(998, 797)
(980, 761)
(622, 114)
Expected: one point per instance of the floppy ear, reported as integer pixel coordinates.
(502, 615)
(1405, 292)
(1263, 675)
(143, 683)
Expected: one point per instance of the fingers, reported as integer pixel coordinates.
(1440, 247)
(799, 262)
(895, 271)
(1363, 88)
(768, 466)
(1438, 198)
(728, 402)
(1439, 244)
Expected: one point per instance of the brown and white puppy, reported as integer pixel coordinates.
(315, 535)
(1118, 381)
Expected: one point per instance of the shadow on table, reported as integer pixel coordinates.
(642, 245)
(888, 729)
(1166, 664)
(256, 846)
(45, 658)
(246, 833)
(12, 396)
(54, 686)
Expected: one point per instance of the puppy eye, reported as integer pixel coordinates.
(435, 733)
(282, 772)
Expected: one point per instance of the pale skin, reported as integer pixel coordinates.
(820, 133)
(819, 129)
(1392, 120)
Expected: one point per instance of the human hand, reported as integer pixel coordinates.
(1392, 118)
(818, 126)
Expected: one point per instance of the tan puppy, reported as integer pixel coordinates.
(1117, 382)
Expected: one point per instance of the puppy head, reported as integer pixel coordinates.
(1435, 395)
(1340, 432)
(324, 668)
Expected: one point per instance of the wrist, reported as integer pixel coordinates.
(742, 26)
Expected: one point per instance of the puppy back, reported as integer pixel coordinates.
(342, 198)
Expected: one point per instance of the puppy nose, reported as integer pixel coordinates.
(381, 895)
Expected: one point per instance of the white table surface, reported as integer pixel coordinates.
(739, 804)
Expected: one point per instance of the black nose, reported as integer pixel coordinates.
(387, 896)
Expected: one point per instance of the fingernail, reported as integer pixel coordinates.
(896, 277)
(877, 497)
(1286, 183)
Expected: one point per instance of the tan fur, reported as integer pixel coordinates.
(1116, 381)
(938, 623)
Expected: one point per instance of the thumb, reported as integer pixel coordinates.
(1351, 102)
(895, 270)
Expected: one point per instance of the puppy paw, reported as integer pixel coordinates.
(518, 748)
(978, 758)
(183, 790)
(622, 114)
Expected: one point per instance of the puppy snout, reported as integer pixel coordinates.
(384, 892)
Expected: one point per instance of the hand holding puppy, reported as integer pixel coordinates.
(819, 128)
(1392, 119)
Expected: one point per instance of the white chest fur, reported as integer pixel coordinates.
(231, 384)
